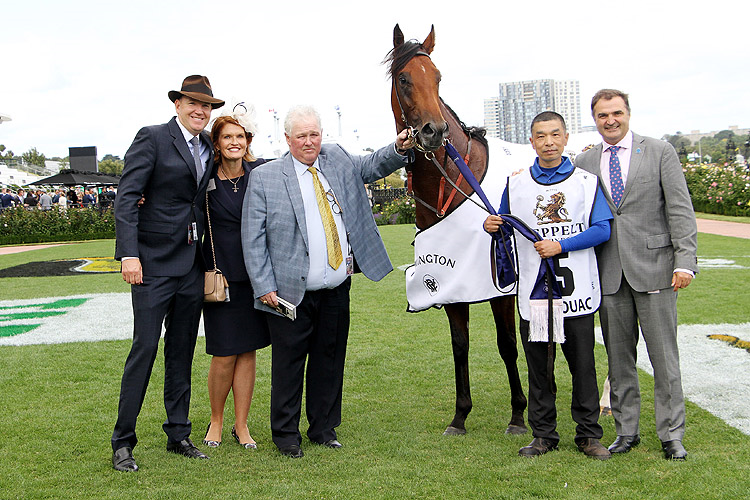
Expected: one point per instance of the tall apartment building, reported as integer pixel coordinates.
(509, 115)
(568, 103)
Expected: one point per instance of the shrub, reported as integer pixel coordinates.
(20, 225)
(399, 211)
(715, 189)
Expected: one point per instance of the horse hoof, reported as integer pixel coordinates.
(454, 431)
(516, 429)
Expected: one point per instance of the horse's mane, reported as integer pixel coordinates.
(399, 56)
(477, 133)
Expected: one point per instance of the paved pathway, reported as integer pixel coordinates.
(25, 248)
(724, 228)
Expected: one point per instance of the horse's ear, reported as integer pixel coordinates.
(429, 42)
(398, 37)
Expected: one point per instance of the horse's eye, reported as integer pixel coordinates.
(402, 80)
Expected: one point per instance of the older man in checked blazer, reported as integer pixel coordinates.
(650, 255)
(158, 242)
(306, 220)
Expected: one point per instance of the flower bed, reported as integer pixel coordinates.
(399, 211)
(715, 189)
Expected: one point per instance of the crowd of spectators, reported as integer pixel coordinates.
(61, 199)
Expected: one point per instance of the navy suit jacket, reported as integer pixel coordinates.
(159, 166)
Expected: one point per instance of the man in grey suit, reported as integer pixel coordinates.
(306, 224)
(649, 257)
(158, 243)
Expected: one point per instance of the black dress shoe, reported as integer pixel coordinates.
(623, 444)
(122, 460)
(332, 443)
(673, 450)
(186, 448)
(291, 451)
(538, 446)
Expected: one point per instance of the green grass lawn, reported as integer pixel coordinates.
(58, 405)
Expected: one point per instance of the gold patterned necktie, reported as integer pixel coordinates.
(333, 245)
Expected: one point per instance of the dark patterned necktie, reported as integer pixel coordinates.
(196, 142)
(615, 175)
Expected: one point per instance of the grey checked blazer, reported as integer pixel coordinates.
(654, 229)
(274, 231)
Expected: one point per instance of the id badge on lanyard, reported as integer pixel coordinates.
(349, 257)
(192, 233)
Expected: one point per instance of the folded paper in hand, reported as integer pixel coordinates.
(286, 308)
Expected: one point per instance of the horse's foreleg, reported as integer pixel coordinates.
(458, 318)
(503, 309)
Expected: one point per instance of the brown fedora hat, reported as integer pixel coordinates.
(199, 88)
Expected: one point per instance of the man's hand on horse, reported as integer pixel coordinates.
(492, 223)
(404, 142)
(547, 248)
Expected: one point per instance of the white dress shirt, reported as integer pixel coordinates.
(321, 274)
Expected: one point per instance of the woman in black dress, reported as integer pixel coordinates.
(234, 329)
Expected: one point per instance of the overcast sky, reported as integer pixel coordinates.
(87, 73)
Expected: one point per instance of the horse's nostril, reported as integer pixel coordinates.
(428, 131)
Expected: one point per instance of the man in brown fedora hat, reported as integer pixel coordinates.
(158, 243)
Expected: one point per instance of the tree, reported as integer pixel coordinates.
(724, 134)
(111, 165)
(34, 157)
(678, 141)
(3, 155)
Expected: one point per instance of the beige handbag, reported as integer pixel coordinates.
(215, 287)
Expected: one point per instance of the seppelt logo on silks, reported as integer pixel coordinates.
(553, 212)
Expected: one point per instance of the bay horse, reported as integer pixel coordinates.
(417, 105)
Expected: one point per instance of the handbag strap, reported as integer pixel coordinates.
(210, 233)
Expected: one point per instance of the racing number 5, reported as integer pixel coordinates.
(564, 275)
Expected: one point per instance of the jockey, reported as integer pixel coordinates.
(567, 208)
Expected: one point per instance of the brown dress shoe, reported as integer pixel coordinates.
(591, 447)
(537, 447)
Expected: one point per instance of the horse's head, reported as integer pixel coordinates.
(414, 94)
